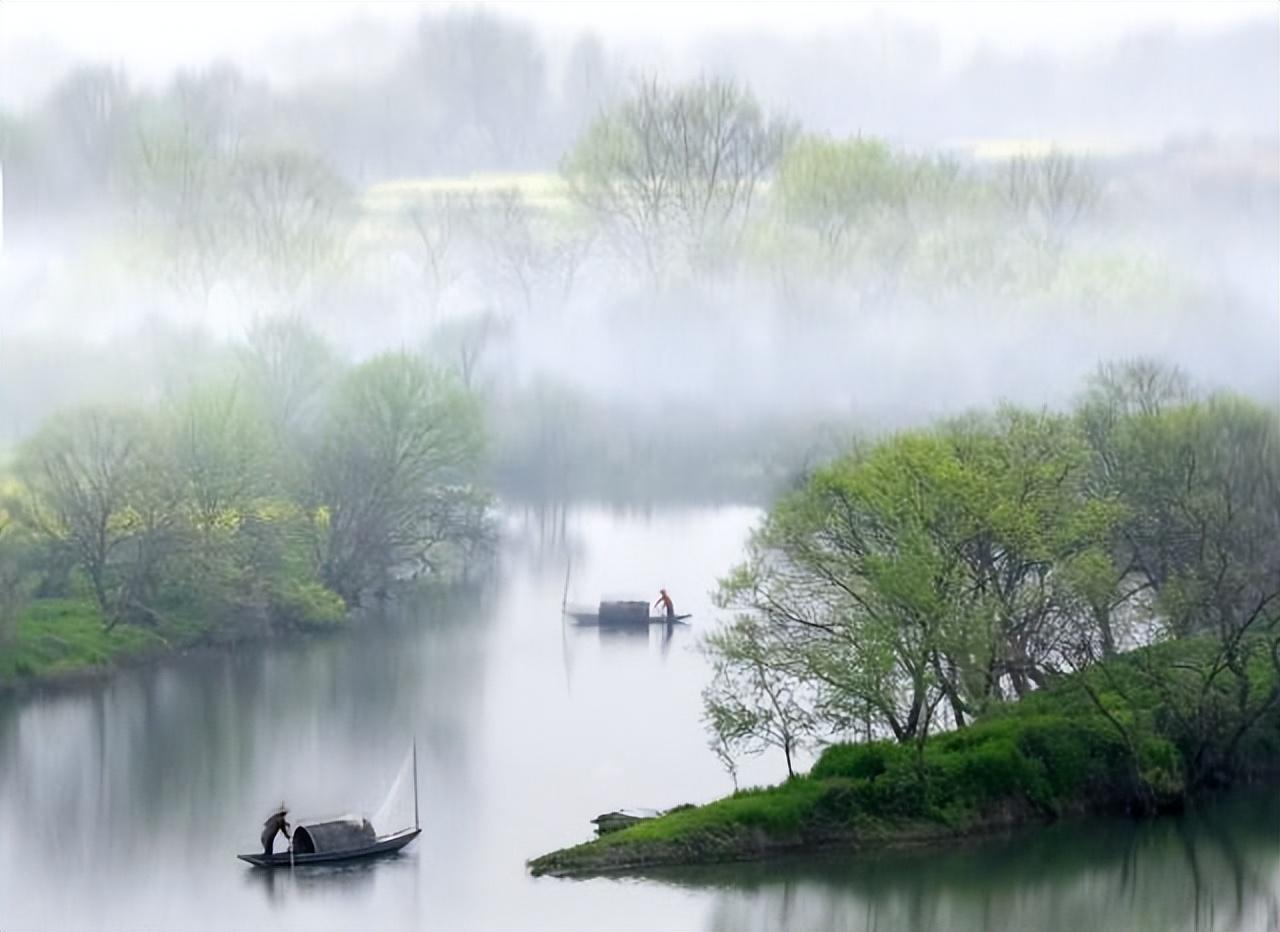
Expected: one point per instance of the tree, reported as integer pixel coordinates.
(82, 472)
(181, 172)
(15, 579)
(397, 457)
(753, 703)
(526, 250)
(1050, 194)
(677, 166)
(439, 224)
(290, 209)
(464, 342)
(838, 189)
(924, 570)
(219, 451)
(287, 368)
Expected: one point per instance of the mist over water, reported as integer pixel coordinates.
(888, 215)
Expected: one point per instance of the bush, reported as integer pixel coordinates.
(857, 761)
(307, 604)
(1160, 764)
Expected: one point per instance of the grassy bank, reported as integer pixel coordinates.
(1053, 754)
(56, 638)
(66, 638)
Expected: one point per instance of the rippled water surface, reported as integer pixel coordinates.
(123, 804)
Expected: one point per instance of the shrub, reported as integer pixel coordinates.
(306, 604)
(858, 760)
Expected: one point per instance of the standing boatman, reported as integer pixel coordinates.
(276, 822)
(665, 601)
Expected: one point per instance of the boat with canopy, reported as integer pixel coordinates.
(345, 838)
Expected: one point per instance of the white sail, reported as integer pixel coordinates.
(399, 810)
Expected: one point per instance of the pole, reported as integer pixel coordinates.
(416, 826)
(564, 599)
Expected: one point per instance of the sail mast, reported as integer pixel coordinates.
(415, 783)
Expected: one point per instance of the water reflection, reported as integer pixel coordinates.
(122, 804)
(355, 879)
(1215, 870)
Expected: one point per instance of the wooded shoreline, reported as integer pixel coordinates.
(1050, 756)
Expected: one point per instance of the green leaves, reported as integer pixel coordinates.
(926, 577)
(394, 470)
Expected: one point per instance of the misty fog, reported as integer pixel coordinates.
(355, 357)
(415, 194)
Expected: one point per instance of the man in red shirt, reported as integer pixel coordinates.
(665, 601)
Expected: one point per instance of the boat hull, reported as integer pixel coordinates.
(593, 618)
(387, 844)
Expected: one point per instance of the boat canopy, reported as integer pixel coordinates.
(621, 613)
(343, 834)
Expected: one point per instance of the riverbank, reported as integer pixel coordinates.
(66, 640)
(1051, 755)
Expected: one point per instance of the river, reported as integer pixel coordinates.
(123, 803)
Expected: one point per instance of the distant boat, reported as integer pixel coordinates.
(622, 613)
(348, 838)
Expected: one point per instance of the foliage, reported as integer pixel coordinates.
(258, 498)
(752, 704)
(923, 578)
(393, 472)
(919, 571)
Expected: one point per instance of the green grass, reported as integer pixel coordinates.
(57, 636)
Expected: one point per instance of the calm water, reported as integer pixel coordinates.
(122, 805)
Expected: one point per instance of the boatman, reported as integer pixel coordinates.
(665, 601)
(275, 823)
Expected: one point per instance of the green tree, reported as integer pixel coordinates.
(753, 702)
(85, 473)
(925, 569)
(394, 470)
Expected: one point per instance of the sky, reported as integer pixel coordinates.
(152, 39)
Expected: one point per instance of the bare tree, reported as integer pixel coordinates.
(439, 224)
(291, 209)
(184, 153)
(676, 167)
(1052, 194)
(464, 342)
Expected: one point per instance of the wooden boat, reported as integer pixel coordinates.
(622, 613)
(348, 838)
(336, 840)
